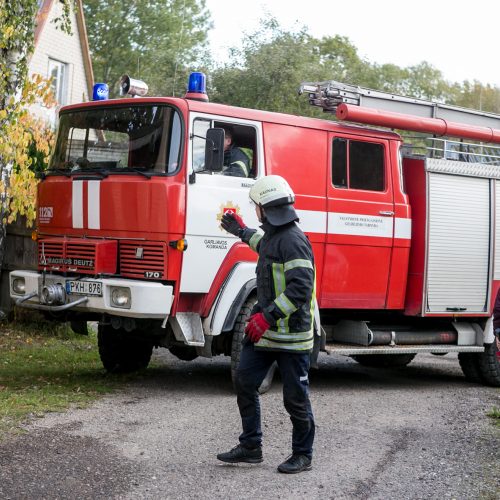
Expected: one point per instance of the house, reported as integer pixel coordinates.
(63, 57)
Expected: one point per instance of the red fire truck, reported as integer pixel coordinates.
(405, 232)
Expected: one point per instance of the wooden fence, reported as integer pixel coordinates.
(20, 253)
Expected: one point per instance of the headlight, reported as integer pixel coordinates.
(19, 286)
(120, 297)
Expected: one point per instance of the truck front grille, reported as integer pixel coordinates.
(51, 254)
(75, 255)
(143, 259)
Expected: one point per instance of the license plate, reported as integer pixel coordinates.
(84, 288)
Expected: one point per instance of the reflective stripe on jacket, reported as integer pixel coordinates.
(285, 286)
(236, 163)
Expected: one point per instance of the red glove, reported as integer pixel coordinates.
(256, 327)
(233, 223)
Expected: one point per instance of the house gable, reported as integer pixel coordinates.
(63, 56)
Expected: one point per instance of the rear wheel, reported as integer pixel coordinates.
(384, 360)
(489, 364)
(121, 352)
(236, 345)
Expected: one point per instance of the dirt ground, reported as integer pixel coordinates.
(417, 433)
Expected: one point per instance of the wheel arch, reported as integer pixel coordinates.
(237, 287)
(236, 306)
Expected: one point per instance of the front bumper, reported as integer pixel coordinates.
(147, 299)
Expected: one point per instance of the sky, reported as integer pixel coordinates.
(460, 38)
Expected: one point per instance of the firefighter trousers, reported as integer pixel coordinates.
(294, 368)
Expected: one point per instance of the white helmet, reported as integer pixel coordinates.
(275, 196)
(272, 191)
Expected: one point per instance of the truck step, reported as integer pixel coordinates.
(350, 350)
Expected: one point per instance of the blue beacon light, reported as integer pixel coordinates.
(101, 92)
(197, 87)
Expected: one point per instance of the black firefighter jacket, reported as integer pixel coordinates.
(285, 286)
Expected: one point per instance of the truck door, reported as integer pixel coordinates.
(209, 195)
(360, 226)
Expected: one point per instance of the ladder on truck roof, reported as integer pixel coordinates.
(329, 95)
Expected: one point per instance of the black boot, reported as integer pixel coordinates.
(241, 454)
(294, 464)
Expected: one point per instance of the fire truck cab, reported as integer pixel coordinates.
(404, 237)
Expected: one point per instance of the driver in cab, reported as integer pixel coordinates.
(236, 162)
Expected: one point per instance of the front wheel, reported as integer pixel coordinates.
(121, 352)
(236, 345)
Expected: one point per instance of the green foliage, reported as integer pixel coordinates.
(16, 44)
(267, 71)
(20, 135)
(476, 95)
(155, 41)
(494, 414)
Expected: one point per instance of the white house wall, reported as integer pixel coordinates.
(53, 43)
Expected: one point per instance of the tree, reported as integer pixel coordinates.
(153, 40)
(267, 71)
(18, 131)
(476, 95)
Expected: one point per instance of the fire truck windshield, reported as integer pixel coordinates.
(119, 139)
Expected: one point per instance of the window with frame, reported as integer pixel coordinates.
(358, 165)
(243, 139)
(120, 139)
(58, 73)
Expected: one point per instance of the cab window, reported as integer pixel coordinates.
(358, 165)
(240, 159)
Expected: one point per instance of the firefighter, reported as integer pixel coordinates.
(236, 162)
(280, 327)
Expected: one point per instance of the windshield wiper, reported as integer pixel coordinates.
(90, 174)
(141, 172)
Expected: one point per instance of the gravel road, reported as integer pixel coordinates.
(417, 433)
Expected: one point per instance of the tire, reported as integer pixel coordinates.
(384, 360)
(489, 364)
(469, 362)
(238, 335)
(122, 353)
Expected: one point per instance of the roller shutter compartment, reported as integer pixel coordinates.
(458, 251)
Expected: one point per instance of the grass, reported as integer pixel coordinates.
(495, 415)
(45, 368)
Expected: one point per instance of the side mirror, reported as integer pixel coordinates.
(214, 149)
